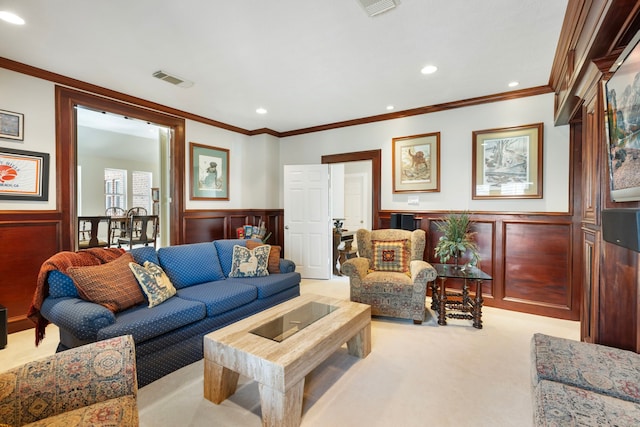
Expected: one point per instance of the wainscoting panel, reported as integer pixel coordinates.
(205, 226)
(537, 263)
(26, 245)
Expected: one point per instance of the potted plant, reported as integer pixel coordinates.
(457, 239)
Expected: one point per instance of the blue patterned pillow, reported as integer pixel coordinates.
(250, 262)
(154, 282)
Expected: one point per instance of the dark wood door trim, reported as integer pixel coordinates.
(66, 159)
(376, 161)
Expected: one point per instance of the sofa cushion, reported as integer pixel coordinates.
(61, 285)
(145, 253)
(154, 282)
(144, 323)
(225, 252)
(557, 404)
(191, 264)
(391, 255)
(250, 262)
(274, 256)
(220, 296)
(269, 285)
(598, 368)
(111, 285)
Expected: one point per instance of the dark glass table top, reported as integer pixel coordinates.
(461, 272)
(296, 320)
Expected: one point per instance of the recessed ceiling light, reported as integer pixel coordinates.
(12, 18)
(513, 84)
(429, 69)
(390, 107)
(261, 111)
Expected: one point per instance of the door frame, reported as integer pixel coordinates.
(66, 157)
(376, 169)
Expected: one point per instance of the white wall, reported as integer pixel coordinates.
(455, 127)
(35, 99)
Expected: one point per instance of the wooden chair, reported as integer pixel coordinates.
(89, 232)
(141, 230)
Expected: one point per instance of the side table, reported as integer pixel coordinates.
(460, 304)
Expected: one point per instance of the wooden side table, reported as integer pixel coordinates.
(458, 304)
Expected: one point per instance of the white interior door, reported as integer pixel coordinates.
(307, 219)
(355, 202)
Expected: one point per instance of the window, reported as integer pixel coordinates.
(142, 189)
(115, 184)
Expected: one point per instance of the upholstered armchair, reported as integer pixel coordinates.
(94, 384)
(390, 274)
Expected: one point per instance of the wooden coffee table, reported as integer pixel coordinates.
(280, 367)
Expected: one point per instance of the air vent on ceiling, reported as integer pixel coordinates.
(172, 78)
(376, 7)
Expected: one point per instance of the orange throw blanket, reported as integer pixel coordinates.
(61, 262)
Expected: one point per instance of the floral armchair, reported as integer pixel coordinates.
(390, 274)
(89, 385)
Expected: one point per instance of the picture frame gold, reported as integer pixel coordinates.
(209, 172)
(416, 163)
(24, 175)
(508, 162)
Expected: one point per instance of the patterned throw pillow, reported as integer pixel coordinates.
(274, 256)
(111, 285)
(250, 262)
(391, 255)
(154, 282)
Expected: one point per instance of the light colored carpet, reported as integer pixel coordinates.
(416, 375)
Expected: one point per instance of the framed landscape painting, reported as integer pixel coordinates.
(209, 172)
(507, 163)
(11, 125)
(416, 163)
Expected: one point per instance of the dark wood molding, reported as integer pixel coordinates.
(376, 171)
(505, 96)
(66, 161)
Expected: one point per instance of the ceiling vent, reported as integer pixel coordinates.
(173, 79)
(376, 7)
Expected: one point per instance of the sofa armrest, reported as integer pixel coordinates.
(96, 372)
(82, 318)
(287, 266)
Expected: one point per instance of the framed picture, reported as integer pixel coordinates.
(11, 125)
(155, 194)
(416, 163)
(24, 175)
(507, 163)
(209, 172)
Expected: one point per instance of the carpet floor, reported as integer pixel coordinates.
(415, 375)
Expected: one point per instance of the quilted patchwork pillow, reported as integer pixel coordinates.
(250, 262)
(153, 281)
(391, 255)
(111, 285)
(274, 256)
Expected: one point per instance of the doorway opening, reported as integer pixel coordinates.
(67, 101)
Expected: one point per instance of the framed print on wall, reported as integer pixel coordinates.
(209, 172)
(416, 163)
(11, 125)
(507, 163)
(24, 175)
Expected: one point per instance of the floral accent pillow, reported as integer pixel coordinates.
(154, 282)
(250, 262)
(391, 255)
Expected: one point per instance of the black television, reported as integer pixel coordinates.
(623, 123)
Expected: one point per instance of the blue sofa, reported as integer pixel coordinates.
(169, 335)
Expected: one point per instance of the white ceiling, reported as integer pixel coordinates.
(307, 62)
